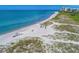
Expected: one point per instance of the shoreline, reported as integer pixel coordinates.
(9, 36)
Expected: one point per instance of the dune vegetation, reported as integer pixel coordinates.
(57, 35)
(29, 45)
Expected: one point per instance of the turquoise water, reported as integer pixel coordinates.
(14, 19)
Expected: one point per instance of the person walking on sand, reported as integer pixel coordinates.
(32, 30)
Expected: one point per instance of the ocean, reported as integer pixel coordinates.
(14, 19)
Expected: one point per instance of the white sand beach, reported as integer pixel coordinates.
(29, 31)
